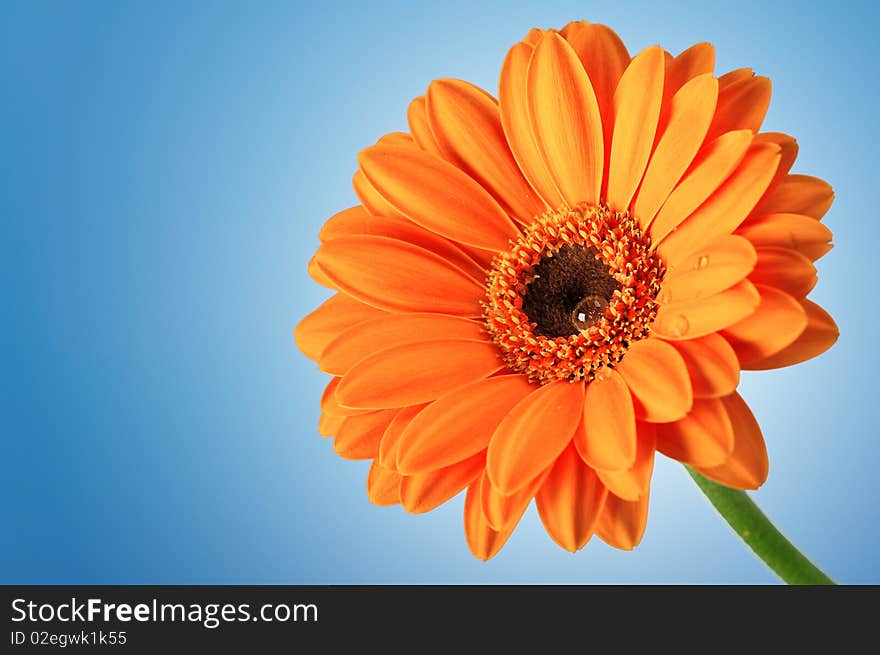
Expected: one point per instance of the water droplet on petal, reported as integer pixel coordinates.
(678, 325)
(702, 262)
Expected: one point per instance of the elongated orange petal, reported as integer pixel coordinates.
(633, 483)
(565, 120)
(407, 279)
(570, 501)
(723, 212)
(383, 485)
(391, 438)
(501, 510)
(622, 522)
(722, 263)
(731, 77)
(656, 375)
(606, 437)
(788, 151)
(335, 314)
(433, 368)
(697, 60)
(358, 437)
(604, 57)
(329, 404)
(459, 424)
(319, 276)
(367, 337)
(482, 540)
(353, 220)
(703, 438)
(466, 122)
(374, 203)
(533, 434)
(778, 320)
(785, 269)
(691, 319)
(712, 365)
(795, 231)
(329, 424)
(513, 102)
(690, 112)
(712, 166)
(747, 466)
(741, 105)
(820, 334)
(426, 491)
(798, 194)
(417, 117)
(637, 102)
(397, 139)
(403, 229)
(438, 196)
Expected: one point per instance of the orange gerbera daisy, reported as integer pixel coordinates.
(538, 292)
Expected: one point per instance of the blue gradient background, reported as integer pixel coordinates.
(165, 170)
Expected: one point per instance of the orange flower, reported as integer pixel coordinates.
(538, 292)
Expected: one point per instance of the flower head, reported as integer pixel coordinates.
(537, 293)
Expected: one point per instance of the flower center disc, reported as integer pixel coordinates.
(572, 293)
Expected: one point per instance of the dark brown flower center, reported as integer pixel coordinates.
(569, 292)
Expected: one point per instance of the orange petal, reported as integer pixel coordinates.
(514, 106)
(353, 220)
(798, 194)
(622, 522)
(747, 466)
(407, 278)
(788, 150)
(459, 424)
(334, 315)
(533, 434)
(656, 375)
(358, 437)
(637, 102)
(778, 320)
(703, 438)
(697, 60)
(820, 334)
(722, 263)
(417, 117)
(319, 276)
(438, 196)
(482, 540)
(733, 76)
(712, 365)
(329, 404)
(570, 501)
(367, 337)
(383, 485)
(414, 373)
(741, 105)
(426, 491)
(785, 269)
(565, 120)
(501, 510)
(606, 437)
(689, 116)
(711, 167)
(727, 207)
(633, 483)
(391, 438)
(370, 198)
(604, 57)
(467, 125)
(397, 139)
(403, 229)
(691, 319)
(795, 231)
(329, 424)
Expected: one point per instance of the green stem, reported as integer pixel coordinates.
(753, 527)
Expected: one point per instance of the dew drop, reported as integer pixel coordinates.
(702, 262)
(589, 310)
(678, 325)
